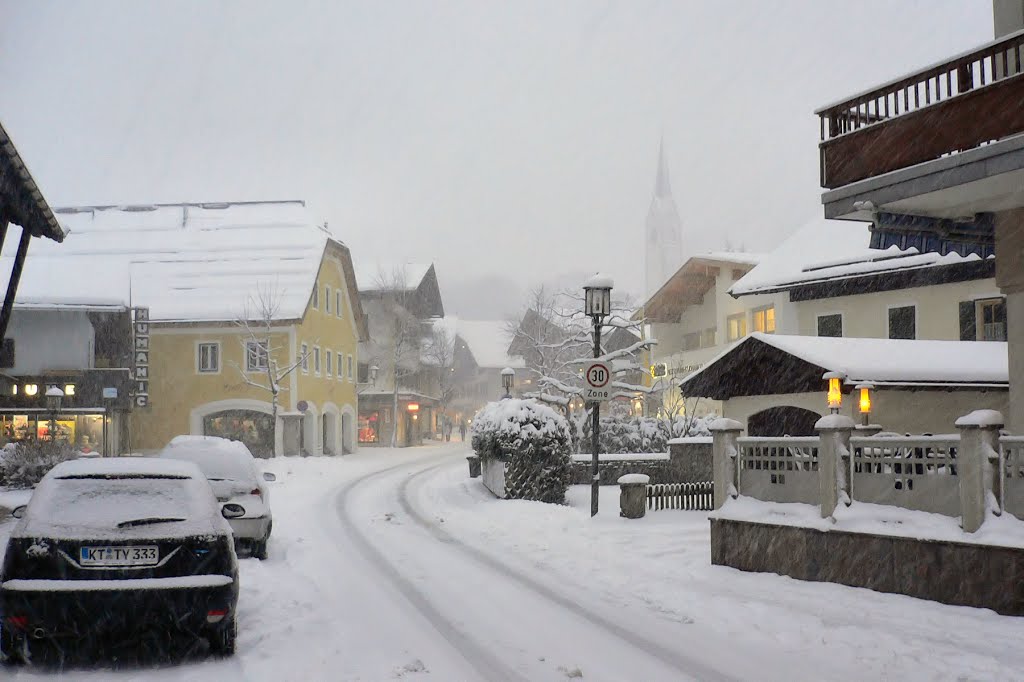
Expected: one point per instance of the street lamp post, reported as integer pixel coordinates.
(54, 398)
(597, 304)
(508, 380)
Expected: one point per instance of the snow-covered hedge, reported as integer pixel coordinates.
(641, 434)
(534, 440)
(23, 465)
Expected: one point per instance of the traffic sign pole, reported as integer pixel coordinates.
(595, 471)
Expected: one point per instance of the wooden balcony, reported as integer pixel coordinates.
(969, 101)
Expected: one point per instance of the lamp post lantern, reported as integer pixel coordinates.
(373, 374)
(865, 400)
(54, 398)
(835, 391)
(597, 304)
(508, 380)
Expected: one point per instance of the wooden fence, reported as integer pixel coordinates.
(688, 496)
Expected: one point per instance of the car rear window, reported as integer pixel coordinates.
(105, 501)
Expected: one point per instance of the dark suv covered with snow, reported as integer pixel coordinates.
(114, 553)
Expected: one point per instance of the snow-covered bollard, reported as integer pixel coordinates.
(979, 467)
(474, 466)
(724, 453)
(633, 495)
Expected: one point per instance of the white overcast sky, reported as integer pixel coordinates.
(516, 139)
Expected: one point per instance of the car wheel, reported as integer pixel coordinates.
(259, 549)
(222, 642)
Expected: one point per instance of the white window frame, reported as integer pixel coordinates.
(338, 303)
(304, 357)
(315, 302)
(763, 309)
(327, 299)
(341, 373)
(316, 360)
(328, 363)
(842, 322)
(199, 357)
(735, 316)
(979, 322)
(917, 319)
(250, 366)
(349, 372)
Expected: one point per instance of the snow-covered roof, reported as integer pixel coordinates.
(824, 250)
(374, 276)
(185, 262)
(890, 361)
(488, 341)
(739, 257)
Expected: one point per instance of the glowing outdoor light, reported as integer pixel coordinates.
(69, 389)
(14, 389)
(865, 400)
(835, 393)
(31, 389)
(597, 293)
(508, 380)
(413, 407)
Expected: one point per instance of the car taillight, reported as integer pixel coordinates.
(216, 615)
(256, 491)
(20, 622)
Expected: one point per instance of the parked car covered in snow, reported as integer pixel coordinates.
(235, 479)
(118, 552)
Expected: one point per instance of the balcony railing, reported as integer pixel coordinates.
(963, 103)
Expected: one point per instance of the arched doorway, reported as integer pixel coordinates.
(309, 443)
(348, 425)
(329, 430)
(248, 421)
(254, 429)
(783, 421)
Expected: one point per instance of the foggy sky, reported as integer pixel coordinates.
(509, 139)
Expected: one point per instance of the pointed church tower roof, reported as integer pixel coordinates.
(663, 184)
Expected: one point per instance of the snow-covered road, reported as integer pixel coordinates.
(393, 564)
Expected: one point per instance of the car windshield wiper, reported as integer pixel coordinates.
(148, 520)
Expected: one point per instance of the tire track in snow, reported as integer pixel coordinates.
(480, 658)
(670, 657)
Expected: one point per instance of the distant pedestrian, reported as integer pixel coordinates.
(462, 430)
(446, 429)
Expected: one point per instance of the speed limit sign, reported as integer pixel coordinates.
(597, 382)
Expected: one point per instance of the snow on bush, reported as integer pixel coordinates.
(23, 465)
(536, 442)
(621, 434)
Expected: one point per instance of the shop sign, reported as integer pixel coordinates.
(140, 358)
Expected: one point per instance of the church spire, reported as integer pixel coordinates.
(663, 184)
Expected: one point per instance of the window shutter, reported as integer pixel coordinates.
(968, 323)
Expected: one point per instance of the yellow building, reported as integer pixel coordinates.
(232, 300)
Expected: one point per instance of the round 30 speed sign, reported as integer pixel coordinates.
(597, 377)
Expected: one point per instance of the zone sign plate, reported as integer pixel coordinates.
(598, 379)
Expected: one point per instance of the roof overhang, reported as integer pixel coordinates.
(729, 375)
(952, 190)
(21, 201)
(685, 288)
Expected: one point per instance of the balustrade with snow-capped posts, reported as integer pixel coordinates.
(968, 475)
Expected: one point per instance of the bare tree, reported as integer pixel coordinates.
(398, 335)
(440, 352)
(263, 370)
(554, 337)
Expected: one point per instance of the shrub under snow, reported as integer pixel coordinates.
(23, 465)
(536, 442)
(621, 434)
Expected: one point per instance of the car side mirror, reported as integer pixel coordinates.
(267, 476)
(19, 511)
(232, 511)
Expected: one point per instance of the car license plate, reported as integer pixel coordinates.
(119, 556)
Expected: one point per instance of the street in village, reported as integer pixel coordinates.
(394, 564)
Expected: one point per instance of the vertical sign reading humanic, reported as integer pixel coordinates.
(140, 356)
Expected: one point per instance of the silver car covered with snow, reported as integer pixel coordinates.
(235, 479)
